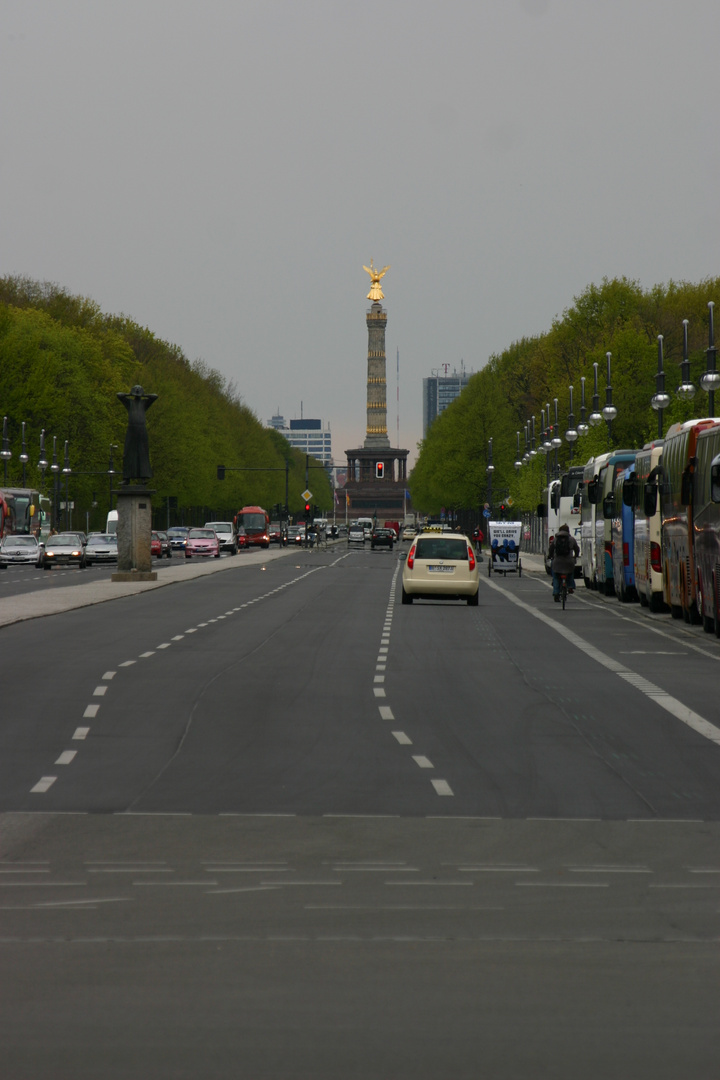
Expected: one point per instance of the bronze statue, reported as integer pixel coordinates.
(376, 292)
(136, 454)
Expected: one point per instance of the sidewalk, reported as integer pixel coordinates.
(35, 605)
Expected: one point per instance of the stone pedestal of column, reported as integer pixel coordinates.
(134, 529)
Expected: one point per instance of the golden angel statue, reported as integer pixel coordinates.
(376, 292)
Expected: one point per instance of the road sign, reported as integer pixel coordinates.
(486, 512)
(306, 496)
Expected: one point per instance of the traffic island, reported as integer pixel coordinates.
(134, 506)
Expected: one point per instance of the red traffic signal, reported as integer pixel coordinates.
(379, 470)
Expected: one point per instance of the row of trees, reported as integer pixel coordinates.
(618, 317)
(62, 361)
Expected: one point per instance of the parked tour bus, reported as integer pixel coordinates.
(622, 529)
(706, 527)
(679, 460)
(256, 523)
(647, 526)
(561, 506)
(588, 519)
(602, 493)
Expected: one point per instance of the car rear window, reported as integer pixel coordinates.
(438, 547)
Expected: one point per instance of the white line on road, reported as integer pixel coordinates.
(66, 757)
(379, 692)
(43, 785)
(100, 691)
(81, 733)
(402, 738)
(442, 787)
(422, 762)
(386, 712)
(91, 711)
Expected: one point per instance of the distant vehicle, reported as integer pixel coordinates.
(226, 534)
(368, 525)
(276, 532)
(623, 536)
(561, 506)
(20, 512)
(242, 540)
(356, 534)
(20, 549)
(409, 532)
(648, 527)
(202, 542)
(296, 534)
(101, 547)
(441, 566)
(395, 526)
(65, 549)
(111, 525)
(383, 538)
(706, 526)
(177, 536)
(256, 523)
(164, 543)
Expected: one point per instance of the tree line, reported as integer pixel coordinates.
(617, 317)
(62, 362)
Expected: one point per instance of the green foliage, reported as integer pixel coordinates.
(62, 362)
(616, 317)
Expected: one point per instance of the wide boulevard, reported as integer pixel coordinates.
(264, 821)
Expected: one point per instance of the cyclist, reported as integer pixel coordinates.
(563, 552)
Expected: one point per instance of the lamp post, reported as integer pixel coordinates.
(55, 470)
(66, 473)
(556, 441)
(489, 470)
(710, 381)
(571, 433)
(24, 457)
(518, 459)
(111, 473)
(660, 399)
(609, 411)
(595, 417)
(6, 452)
(583, 425)
(686, 390)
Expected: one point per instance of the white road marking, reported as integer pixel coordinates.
(379, 692)
(442, 787)
(402, 738)
(379, 678)
(100, 691)
(422, 762)
(165, 645)
(386, 712)
(91, 711)
(81, 733)
(66, 757)
(109, 675)
(654, 693)
(145, 655)
(383, 649)
(128, 663)
(192, 630)
(43, 785)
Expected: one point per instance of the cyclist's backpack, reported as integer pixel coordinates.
(562, 544)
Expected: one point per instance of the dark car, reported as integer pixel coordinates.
(178, 537)
(382, 538)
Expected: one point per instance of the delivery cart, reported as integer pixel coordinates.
(505, 538)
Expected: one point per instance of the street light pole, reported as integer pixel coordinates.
(571, 433)
(711, 379)
(609, 411)
(660, 400)
(6, 452)
(489, 470)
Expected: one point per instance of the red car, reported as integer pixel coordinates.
(160, 545)
(202, 542)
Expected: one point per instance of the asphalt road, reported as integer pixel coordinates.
(268, 822)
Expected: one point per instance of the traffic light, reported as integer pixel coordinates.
(379, 470)
(502, 510)
(307, 511)
(221, 472)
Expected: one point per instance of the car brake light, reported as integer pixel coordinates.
(411, 557)
(471, 557)
(656, 558)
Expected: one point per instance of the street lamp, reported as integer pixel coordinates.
(24, 457)
(489, 470)
(111, 473)
(686, 390)
(609, 411)
(595, 417)
(660, 399)
(42, 461)
(6, 452)
(66, 473)
(583, 425)
(710, 381)
(533, 451)
(518, 460)
(55, 470)
(571, 434)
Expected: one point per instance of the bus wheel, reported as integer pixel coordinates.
(656, 602)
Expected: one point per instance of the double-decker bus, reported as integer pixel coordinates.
(256, 523)
(679, 461)
(21, 512)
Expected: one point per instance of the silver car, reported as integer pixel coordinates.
(101, 548)
(20, 549)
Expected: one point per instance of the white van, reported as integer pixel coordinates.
(367, 524)
(112, 522)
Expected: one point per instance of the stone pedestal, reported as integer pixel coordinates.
(134, 508)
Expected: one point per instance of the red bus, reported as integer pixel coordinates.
(256, 523)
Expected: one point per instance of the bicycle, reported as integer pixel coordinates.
(564, 590)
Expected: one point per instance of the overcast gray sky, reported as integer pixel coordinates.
(220, 171)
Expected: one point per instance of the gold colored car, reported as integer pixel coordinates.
(441, 566)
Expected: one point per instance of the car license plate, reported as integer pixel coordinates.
(441, 569)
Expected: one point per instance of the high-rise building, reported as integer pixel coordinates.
(308, 436)
(439, 391)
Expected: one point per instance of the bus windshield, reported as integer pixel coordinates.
(253, 522)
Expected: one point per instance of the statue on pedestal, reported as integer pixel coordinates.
(136, 454)
(376, 292)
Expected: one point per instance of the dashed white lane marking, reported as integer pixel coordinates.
(422, 762)
(100, 691)
(43, 785)
(128, 663)
(66, 757)
(91, 712)
(165, 645)
(81, 733)
(192, 630)
(109, 675)
(146, 655)
(442, 787)
(379, 678)
(386, 712)
(402, 738)
(655, 693)
(379, 692)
